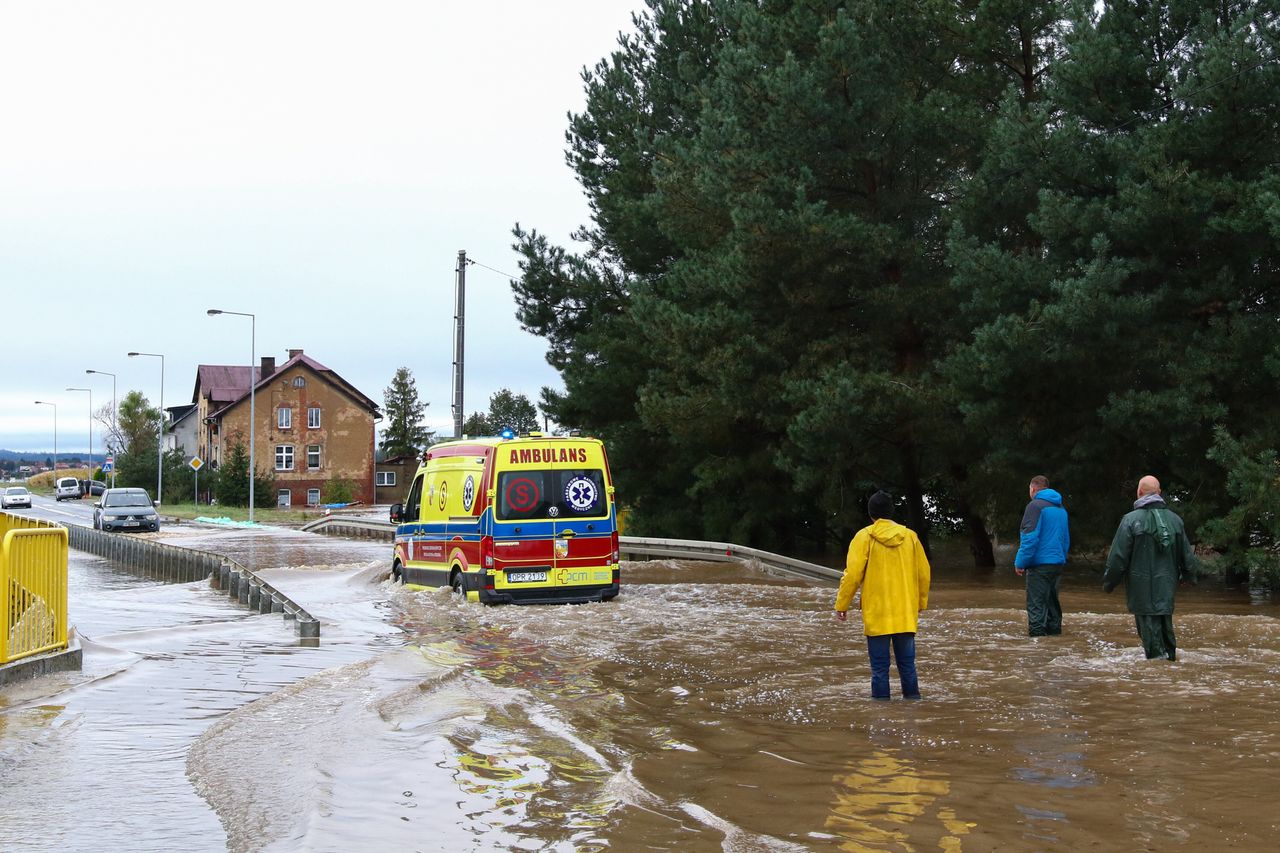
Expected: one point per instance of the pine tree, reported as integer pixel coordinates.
(508, 410)
(405, 434)
(1132, 308)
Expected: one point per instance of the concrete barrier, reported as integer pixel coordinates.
(63, 660)
(162, 561)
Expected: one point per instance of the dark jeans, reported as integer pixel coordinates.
(904, 654)
(1157, 636)
(1044, 613)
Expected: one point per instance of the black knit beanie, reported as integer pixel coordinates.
(880, 506)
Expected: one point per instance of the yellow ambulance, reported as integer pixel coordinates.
(519, 520)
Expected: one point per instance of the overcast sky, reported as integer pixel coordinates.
(318, 164)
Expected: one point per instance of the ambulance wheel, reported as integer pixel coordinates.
(397, 573)
(455, 581)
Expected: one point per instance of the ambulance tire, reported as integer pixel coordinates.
(397, 572)
(455, 581)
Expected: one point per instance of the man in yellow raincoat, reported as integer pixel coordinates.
(887, 561)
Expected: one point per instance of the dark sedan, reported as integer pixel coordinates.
(92, 487)
(125, 509)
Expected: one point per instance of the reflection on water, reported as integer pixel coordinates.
(885, 801)
(710, 707)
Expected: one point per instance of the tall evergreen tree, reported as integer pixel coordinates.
(405, 434)
(508, 410)
(768, 245)
(1133, 308)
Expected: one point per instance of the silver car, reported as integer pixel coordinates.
(16, 496)
(125, 509)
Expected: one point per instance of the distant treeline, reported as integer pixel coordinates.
(935, 248)
(39, 457)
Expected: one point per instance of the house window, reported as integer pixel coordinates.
(386, 478)
(313, 497)
(299, 382)
(284, 497)
(313, 417)
(313, 456)
(284, 417)
(284, 457)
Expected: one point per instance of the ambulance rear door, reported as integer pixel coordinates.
(578, 506)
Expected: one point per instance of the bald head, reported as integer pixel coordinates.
(1148, 485)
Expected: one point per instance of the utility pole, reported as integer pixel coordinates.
(459, 323)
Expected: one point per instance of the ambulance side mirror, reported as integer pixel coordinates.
(397, 513)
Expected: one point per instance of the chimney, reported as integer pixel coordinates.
(268, 366)
(294, 353)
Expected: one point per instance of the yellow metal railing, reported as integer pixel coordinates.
(33, 587)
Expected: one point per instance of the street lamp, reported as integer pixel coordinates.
(114, 407)
(253, 357)
(89, 474)
(55, 437)
(160, 444)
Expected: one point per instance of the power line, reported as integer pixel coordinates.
(491, 269)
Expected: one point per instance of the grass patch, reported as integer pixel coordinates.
(189, 511)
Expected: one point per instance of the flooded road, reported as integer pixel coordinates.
(710, 707)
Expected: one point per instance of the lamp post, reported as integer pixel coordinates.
(253, 357)
(55, 436)
(89, 474)
(114, 407)
(160, 443)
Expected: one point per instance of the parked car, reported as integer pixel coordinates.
(67, 488)
(125, 509)
(15, 496)
(92, 487)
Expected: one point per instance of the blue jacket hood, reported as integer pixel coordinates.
(1050, 495)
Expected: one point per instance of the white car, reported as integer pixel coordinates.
(67, 488)
(15, 496)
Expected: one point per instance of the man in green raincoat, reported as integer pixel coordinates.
(1151, 554)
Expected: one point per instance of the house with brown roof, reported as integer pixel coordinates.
(311, 426)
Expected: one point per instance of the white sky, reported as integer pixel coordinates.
(318, 164)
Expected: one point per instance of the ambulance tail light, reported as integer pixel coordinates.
(613, 543)
(486, 552)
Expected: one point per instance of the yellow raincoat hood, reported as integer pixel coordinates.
(888, 533)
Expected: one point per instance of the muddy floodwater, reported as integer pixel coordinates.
(711, 707)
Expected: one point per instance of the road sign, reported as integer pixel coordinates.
(109, 465)
(196, 463)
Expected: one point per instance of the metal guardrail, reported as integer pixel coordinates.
(692, 549)
(681, 549)
(33, 587)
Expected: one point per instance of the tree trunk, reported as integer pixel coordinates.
(984, 555)
(916, 518)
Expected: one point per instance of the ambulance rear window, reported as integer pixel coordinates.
(551, 494)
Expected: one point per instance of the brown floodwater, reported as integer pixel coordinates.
(714, 707)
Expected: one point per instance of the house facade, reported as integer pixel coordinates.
(394, 477)
(311, 426)
(181, 431)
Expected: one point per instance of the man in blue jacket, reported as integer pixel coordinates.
(1042, 552)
